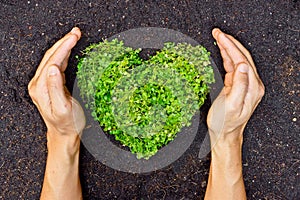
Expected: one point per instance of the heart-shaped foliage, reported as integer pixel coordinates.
(144, 103)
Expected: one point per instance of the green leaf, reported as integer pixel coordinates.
(160, 100)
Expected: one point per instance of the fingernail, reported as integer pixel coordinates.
(52, 71)
(243, 68)
(74, 30)
(215, 31)
(222, 36)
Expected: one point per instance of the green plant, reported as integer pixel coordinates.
(144, 103)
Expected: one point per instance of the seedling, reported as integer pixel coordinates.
(144, 103)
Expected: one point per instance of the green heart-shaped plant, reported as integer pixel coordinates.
(144, 103)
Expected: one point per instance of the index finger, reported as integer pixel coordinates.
(245, 52)
(242, 49)
(233, 52)
(75, 31)
(227, 62)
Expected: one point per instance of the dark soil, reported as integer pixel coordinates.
(269, 29)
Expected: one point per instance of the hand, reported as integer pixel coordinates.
(64, 119)
(62, 114)
(241, 94)
(228, 116)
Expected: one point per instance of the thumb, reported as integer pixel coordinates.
(58, 99)
(240, 85)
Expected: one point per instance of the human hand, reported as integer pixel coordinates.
(62, 114)
(64, 119)
(241, 94)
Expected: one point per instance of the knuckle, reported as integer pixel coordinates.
(29, 87)
(31, 90)
(228, 76)
(243, 61)
(31, 93)
(261, 91)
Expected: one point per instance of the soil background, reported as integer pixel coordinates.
(269, 29)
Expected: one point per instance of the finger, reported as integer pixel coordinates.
(255, 89)
(74, 32)
(242, 49)
(64, 78)
(239, 88)
(228, 79)
(65, 62)
(60, 106)
(58, 58)
(231, 49)
(62, 53)
(248, 56)
(227, 62)
(39, 94)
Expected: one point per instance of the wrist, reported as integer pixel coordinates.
(63, 146)
(227, 148)
(227, 158)
(227, 138)
(61, 180)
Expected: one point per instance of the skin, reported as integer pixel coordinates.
(228, 117)
(65, 120)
